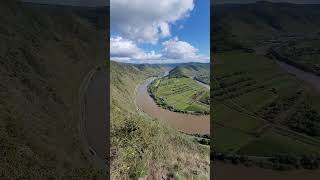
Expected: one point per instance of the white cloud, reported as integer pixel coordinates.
(173, 51)
(125, 50)
(147, 20)
(181, 50)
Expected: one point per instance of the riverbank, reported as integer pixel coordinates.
(191, 124)
(180, 95)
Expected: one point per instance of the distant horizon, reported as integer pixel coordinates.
(169, 63)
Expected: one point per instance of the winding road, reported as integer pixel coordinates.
(93, 97)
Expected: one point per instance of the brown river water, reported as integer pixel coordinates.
(191, 124)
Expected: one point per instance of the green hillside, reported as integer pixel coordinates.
(142, 146)
(198, 71)
(247, 25)
(180, 92)
(260, 110)
(44, 56)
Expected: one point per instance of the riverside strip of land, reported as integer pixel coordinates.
(192, 124)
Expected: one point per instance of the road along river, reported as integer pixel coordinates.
(302, 75)
(93, 113)
(188, 123)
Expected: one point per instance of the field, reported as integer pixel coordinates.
(256, 105)
(181, 94)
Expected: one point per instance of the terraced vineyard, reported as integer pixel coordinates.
(182, 94)
(260, 110)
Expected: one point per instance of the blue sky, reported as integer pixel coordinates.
(153, 31)
(197, 28)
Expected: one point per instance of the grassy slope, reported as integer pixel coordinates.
(182, 94)
(246, 88)
(142, 146)
(199, 71)
(249, 25)
(43, 60)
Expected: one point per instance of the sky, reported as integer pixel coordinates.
(154, 31)
(251, 1)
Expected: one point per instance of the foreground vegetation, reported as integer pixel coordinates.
(142, 146)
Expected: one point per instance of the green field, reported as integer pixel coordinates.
(256, 104)
(181, 94)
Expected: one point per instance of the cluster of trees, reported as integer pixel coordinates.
(236, 91)
(300, 64)
(277, 162)
(285, 161)
(228, 75)
(273, 109)
(305, 120)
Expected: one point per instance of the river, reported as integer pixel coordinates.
(187, 123)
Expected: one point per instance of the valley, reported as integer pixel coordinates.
(146, 137)
(265, 87)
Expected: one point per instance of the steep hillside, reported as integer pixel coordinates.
(261, 110)
(152, 69)
(142, 146)
(44, 56)
(198, 71)
(246, 25)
